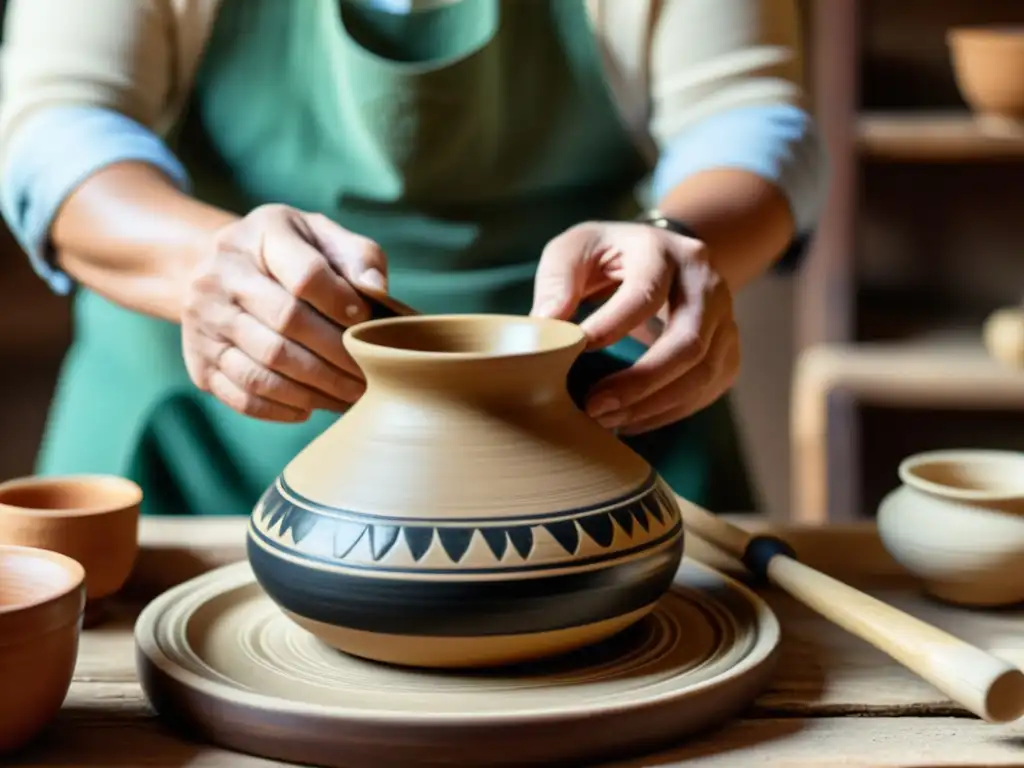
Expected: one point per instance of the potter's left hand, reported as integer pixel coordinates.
(694, 360)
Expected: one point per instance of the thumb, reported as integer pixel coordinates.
(359, 259)
(562, 273)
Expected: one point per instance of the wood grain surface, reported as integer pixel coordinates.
(835, 700)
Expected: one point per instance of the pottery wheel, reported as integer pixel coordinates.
(216, 654)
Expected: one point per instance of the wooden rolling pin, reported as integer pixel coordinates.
(989, 687)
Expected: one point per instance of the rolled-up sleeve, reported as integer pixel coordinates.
(83, 85)
(780, 143)
(726, 91)
(51, 154)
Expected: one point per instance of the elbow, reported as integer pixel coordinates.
(780, 143)
(50, 155)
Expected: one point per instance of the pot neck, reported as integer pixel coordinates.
(523, 379)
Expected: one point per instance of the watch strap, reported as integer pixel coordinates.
(659, 220)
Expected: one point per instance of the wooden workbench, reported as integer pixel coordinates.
(835, 700)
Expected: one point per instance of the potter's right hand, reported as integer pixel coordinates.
(260, 330)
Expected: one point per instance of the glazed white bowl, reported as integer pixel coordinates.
(957, 522)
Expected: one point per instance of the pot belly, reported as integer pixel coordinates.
(467, 593)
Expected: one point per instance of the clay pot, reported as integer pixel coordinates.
(91, 518)
(42, 597)
(957, 522)
(465, 512)
(1003, 336)
(988, 62)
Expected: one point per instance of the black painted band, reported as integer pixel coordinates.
(467, 608)
(275, 544)
(761, 550)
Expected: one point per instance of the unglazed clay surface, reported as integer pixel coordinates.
(957, 522)
(987, 61)
(42, 598)
(464, 512)
(219, 653)
(93, 519)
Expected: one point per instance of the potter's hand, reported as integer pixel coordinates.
(260, 330)
(695, 358)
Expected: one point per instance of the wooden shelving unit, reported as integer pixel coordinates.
(837, 371)
(936, 137)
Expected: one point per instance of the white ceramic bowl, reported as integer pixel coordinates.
(957, 522)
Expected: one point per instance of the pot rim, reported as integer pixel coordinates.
(123, 494)
(45, 599)
(908, 473)
(568, 336)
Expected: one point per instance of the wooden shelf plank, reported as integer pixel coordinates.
(946, 368)
(937, 137)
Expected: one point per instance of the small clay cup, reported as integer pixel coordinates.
(91, 518)
(988, 64)
(42, 599)
(957, 523)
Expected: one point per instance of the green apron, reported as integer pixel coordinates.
(461, 139)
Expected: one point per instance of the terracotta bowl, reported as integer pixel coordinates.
(988, 63)
(91, 518)
(42, 599)
(957, 522)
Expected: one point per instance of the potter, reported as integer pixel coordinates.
(465, 512)
(258, 158)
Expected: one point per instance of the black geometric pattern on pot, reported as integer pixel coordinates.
(522, 540)
(624, 517)
(281, 515)
(670, 534)
(382, 539)
(642, 491)
(455, 541)
(497, 541)
(600, 528)
(566, 534)
(418, 540)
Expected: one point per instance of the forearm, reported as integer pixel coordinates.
(95, 198)
(744, 220)
(129, 234)
(749, 182)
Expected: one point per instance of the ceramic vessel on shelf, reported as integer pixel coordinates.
(1003, 334)
(464, 512)
(957, 522)
(91, 518)
(987, 64)
(42, 598)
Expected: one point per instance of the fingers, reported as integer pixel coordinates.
(292, 318)
(358, 259)
(290, 256)
(646, 282)
(694, 361)
(255, 379)
(248, 404)
(563, 271)
(274, 352)
(691, 393)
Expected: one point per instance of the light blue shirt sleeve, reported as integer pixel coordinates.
(51, 155)
(779, 143)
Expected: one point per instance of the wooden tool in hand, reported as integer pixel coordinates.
(989, 687)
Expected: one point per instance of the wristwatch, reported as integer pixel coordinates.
(655, 218)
